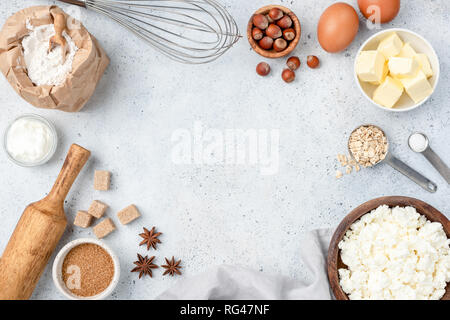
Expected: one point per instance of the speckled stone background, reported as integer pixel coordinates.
(219, 214)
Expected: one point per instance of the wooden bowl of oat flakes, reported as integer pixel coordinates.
(338, 271)
(86, 269)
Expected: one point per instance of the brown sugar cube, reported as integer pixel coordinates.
(104, 227)
(102, 180)
(128, 214)
(82, 219)
(97, 209)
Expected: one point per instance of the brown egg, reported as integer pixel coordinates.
(337, 27)
(379, 11)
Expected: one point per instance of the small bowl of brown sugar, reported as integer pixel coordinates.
(86, 269)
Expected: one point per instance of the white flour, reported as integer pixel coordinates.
(47, 68)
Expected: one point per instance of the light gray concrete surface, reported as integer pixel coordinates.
(215, 214)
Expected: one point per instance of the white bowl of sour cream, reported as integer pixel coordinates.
(30, 140)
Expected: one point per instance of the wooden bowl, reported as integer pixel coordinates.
(272, 53)
(334, 262)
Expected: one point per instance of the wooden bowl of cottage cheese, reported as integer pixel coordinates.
(391, 248)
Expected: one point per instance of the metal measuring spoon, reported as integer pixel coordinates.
(431, 156)
(400, 166)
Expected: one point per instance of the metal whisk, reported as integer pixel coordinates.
(188, 31)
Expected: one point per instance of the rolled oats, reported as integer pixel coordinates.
(348, 169)
(342, 158)
(368, 145)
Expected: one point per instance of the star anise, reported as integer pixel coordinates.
(172, 267)
(150, 238)
(144, 266)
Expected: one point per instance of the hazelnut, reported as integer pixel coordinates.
(312, 62)
(257, 34)
(288, 75)
(269, 18)
(279, 45)
(289, 34)
(260, 21)
(266, 43)
(263, 69)
(273, 31)
(285, 22)
(293, 63)
(276, 13)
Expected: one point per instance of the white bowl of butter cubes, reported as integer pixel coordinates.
(397, 69)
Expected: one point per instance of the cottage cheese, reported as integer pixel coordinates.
(395, 254)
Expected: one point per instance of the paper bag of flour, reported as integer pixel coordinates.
(89, 62)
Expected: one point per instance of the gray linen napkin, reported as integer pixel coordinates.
(239, 283)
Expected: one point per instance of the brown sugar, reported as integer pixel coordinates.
(128, 214)
(102, 180)
(97, 209)
(103, 228)
(83, 219)
(87, 270)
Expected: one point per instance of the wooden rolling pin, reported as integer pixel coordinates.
(38, 232)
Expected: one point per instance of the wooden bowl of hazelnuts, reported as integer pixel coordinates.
(274, 31)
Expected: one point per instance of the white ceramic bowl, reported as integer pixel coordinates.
(420, 45)
(58, 263)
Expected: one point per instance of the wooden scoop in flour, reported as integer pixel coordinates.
(59, 21)
(38, 232)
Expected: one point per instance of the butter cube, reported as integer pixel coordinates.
(407, 51)
(385, 73)
(418, 87)
(388, 93)
(391, 46)
(370, 66)
(403, 67)
(424, 64)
